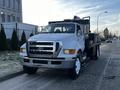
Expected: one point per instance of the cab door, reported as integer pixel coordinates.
(80, 37)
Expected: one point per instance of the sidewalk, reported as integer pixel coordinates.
(9, 65)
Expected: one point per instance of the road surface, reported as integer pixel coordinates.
(103, 74)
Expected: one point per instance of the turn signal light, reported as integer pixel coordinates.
(69, 51)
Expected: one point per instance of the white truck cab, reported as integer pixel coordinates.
(60, 45)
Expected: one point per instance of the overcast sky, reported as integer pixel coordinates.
(39, 12)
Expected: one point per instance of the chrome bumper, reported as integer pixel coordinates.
(56, 63)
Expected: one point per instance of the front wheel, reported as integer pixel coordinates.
(29, 70)
(75, 71)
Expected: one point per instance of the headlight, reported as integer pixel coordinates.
(22, 50)
(69, 51)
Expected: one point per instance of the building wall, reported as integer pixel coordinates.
(10, 11)
(19, 27)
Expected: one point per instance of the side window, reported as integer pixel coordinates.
(79, 31)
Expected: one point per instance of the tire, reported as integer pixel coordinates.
(75, 71)
(29, 70)
(96, 55)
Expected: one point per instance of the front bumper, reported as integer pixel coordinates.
(56, 63)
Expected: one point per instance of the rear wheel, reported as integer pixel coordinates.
(29, 70)
(96, 54)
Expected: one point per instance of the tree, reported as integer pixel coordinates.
(31, 34)
(110, 35)
(106, 33)
(14, 41)
(23, 38)
(114, 35)
(3, 40)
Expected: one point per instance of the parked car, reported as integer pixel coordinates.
(108, 41)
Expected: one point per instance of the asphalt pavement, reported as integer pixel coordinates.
(103, 74)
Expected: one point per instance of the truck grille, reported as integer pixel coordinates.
(42, 49)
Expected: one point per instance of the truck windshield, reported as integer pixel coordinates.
(59, 28)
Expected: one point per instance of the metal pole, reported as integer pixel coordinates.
(17, 30)
(97, 22)
(98, 19)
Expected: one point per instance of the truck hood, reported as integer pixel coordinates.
(53, 37)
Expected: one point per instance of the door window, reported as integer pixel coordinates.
(79, 31)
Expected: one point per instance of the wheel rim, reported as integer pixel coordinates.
(78, 66)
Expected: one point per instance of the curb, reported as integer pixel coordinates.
(11, 76)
